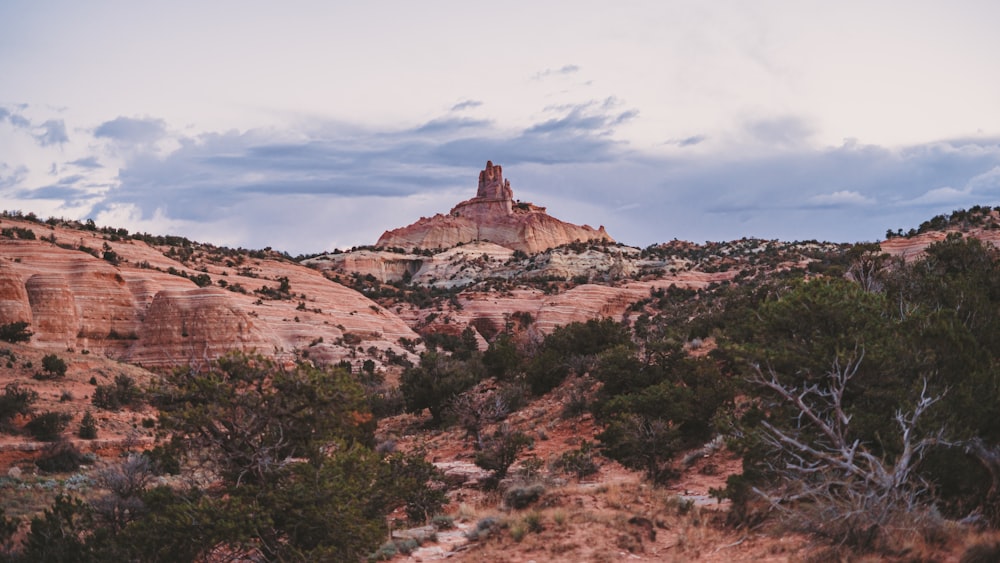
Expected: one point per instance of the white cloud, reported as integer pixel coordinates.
(201, 126)
(987, 183)
(944, 195)
(841, 198)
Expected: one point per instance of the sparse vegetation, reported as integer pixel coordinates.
(123, 392)
(15, 401)
(88, 427)
(859, 391)
(52, 367)
(47, 426)
(15, 332)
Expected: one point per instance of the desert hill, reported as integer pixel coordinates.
(107, 302)
(165, 301)
(492, 215)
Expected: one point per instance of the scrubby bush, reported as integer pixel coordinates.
(52, 367)
(436, 381)
(550, 366)
(484, 528)
(15, 401)
(579, 462)
(15, 332)
(417, 481)
(523, 496)
(61, 457)
(500, 451)
(123, 392)
(88, 427)
(842, 371)
(48, 426)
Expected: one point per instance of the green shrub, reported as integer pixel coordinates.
(550, 366)
(443, 522)
(60, 457)
(48, 426)
(500, 452)
(434, 382)
(519, 497)
(53, 366)
(579, 462)
(15, 401)
(122, 392)
(15, 332)
(484, 527)
(88, 427)
(412, 477)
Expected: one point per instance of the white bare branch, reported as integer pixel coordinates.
(833, 483)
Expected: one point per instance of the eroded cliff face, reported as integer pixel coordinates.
(202, 323)
(144, 307)
(493, 216)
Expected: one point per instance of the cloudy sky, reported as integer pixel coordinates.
(312, 125)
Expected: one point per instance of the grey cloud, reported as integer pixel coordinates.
(466, 104)
(839, 198)
(568, 162)
(625, 117)
(561, 71)
(50, 132)
(132, 130)
(53, 133)
(452, 124)
(14, 118)
(802, 194)
(10, 177)
(65, 192)
(70, 188)
(87, 162)
(688, 141)
(585, 118)
(215, 170)
(19, 121)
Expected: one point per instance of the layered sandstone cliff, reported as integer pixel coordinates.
(492, 216)
(144, 305)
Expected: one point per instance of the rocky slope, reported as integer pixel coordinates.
(173, 304)
(492, 216)
(165, 301)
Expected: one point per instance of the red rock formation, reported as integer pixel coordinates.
(146, 308)
(196, 325)
(492, 186)
(53, 307)
(14, 305)
(492, 216)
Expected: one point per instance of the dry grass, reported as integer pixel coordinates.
(630, 520)
(604, 523)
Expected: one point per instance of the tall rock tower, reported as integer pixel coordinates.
(491, 216)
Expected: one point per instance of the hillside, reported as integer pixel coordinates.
(553, 434)
(165, 301)
(493, 216)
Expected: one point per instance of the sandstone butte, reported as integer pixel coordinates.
(492, 216)
(145, 309)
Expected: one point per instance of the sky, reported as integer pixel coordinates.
(312, 125)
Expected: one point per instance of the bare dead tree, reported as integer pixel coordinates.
(474, 410)
(868, 269)
(989, 457)
(832, 484)
(124, 483)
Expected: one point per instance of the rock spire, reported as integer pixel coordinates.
(492, 215)
(492, 185)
